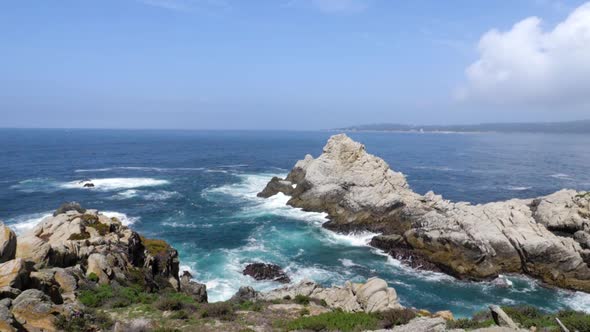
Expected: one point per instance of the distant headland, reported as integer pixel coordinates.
(570, 127)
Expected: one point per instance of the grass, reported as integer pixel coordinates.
(219, 310)
(101, 228)
(302, 299)
(87, 320)
(334, 321)
(93, 277)
(250, 306)
(154, 246)
(393, 317)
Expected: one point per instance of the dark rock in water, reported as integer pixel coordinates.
(196, 290)
(88, 185)
(245, 293)
(263, 271)
(71, 206)
(275, 186)
(387, 242)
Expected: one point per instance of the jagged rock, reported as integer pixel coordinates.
(373, 296)
(34, 311)
(501, 318)
(98, 265)
(275, 186)
(88, 185)
(44, 281)
(245, 293)
(196, 290)
(7, 321)
(583, 238)
(71, 206)
(7, 243)
(14, 274)
(360, 192)
(7, 292)
(263, 271)
(444, 314)
(162, 260)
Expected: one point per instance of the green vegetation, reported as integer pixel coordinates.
(304, 312)
(93, 277)
(154, 246)
(302, 299)
(526, 317)
(393, 317)
(250, 306)
(112, 296)
(334, 321)
(89, 218)
(79, 236)
(219, 310)
(584, 195)
(101, 228)
(87, 320)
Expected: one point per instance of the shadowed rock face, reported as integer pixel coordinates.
(263, 271)
(547, 237)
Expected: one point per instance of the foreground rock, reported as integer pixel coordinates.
(263, 271)
(7, 243)
(372, 296)
(546, 238)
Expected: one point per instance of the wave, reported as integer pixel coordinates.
(107, 184)
(580, 301)
(125, 219)
(515, 188)
(182, 225)
(24, 223)
(347, 262)
(437, 168)
(160, 195)
(560, 176)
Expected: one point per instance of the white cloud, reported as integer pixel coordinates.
(331, 6)
(530, 66)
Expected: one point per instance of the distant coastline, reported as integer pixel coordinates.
(571, 127)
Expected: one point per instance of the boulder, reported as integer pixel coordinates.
(545, 237)
(263, 271)
(420, 324)
(7, 292)
(245, 293)
(7, 243)
(99, 266)
(44, 280)
(34, 311)
(275, 186)
(372, 296)
(444, 314)
(71, 206)
(88, 185)
(7, 321)
(192, 288)
(501, 318)
(14, 274)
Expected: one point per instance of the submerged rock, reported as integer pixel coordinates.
(263, 271)
(359, 191)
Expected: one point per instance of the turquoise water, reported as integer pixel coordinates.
(198, 191)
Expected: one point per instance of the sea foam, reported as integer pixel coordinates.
(107, 184)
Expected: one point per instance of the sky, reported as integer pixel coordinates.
(291, 64)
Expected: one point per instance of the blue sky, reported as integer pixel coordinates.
(291, 64)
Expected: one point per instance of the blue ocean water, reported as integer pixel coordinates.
(197, 190)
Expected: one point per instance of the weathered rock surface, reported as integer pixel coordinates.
(372, 296)
(14, 274)
(7, 243)
(263, 271)
(34, 311)
(546, 238)
(196, 290)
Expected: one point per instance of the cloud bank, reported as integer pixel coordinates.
(530, 66)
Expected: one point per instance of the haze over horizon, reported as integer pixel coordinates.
(291, 64)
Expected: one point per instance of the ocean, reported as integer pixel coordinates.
(197, 190)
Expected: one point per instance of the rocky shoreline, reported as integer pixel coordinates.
(79, 270)
(547, 238)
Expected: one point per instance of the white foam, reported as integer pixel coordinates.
(24, 223)
(125, 220)
(182, 225)
(515, 188)
(359, 239)
(347, 262)
(114, 183)
(160, 195)
(560, 176)
(580, 301)
(139, 168)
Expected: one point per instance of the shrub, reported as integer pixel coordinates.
(101, 228)
(93, 277)
(574, 320)
(220, 310)
(335, 320)
(89, 218)
(250, 306)
(302, 299)
(468, 324)
(86, 320)
(168, 304)
(393, 317)
(180, 314)
(114, 296)
(154, 246)
(287, 297)
(79, 236)
(304, 312)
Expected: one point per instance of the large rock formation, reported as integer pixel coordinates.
(7, 243)
(547, 238)
(73, 248)
(372, 296)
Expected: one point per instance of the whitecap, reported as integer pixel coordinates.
(183, 225)
(107, 184)
(24, 223)
(516, 188)
(123, 218)
(139, 168)
(160, 195)
(560, 176)
(347, 262)
(359, 239)
(580, 301)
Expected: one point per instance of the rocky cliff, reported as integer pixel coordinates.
(43, 272)
(547, 237)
